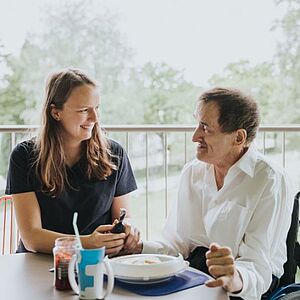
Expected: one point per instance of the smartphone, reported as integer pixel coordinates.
(119, 227)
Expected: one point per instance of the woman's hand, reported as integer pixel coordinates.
(113, 242)
(221, 265)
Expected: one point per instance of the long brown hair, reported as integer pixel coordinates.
(50, 163)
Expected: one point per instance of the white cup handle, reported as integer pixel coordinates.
(110, 278)
(71, 274)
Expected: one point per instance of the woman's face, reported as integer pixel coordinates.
(79, 114)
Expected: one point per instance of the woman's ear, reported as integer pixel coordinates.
(54, 112)
(241, 136)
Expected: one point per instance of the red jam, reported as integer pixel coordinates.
(62, 252)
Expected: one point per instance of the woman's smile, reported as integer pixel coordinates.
(87, 127)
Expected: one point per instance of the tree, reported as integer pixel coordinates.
(164, 96)
(288, 56)
(261, 81)
(20, 85)
(73, 36)
(3, 55)
(159, 94)
(80, 35)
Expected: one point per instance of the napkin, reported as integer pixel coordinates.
(179, 282)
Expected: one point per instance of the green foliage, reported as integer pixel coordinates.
(20, 83)
(74, 36)
(274, 84)
(2, 53)
(153, 94)
(163, 95)
(78, 35)
(262, 82)
(289, 55)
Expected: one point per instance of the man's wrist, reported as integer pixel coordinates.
(238, 282)
(139, 247)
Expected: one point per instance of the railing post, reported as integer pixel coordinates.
(283, 149)
(166, 172)
(185, 148)
(4, 228)
(147, 187)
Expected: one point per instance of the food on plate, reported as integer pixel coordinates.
(143, 260)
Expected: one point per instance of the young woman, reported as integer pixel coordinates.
(70, 167)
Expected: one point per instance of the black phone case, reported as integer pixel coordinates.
(118, 228)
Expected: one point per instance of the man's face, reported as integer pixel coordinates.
(213, 145)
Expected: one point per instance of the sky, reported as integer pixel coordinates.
(199, 37)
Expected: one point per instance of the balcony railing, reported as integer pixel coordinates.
(157, 154)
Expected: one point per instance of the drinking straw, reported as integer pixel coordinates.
(76, 229)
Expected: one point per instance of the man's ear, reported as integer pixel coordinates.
(241, 136)
(54, 112)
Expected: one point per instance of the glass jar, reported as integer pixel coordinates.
(62, 253)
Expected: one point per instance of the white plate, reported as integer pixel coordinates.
(130, 268)
(149, 280)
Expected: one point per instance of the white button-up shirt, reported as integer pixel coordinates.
(251, 214)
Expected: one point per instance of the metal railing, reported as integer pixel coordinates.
(13, 129)
(278, 136)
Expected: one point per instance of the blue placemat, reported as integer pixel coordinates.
(182, 281)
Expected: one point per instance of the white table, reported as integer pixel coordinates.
(27, 277)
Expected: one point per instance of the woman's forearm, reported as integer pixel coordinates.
(40, 240)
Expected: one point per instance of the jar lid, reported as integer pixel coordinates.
(66, 241)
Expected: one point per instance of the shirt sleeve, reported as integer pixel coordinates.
(173, 241)
(266, 231)
(125, 179)
(18, 179)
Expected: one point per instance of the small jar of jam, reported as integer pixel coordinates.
(62, 252)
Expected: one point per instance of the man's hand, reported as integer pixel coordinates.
(132, 238)
(221, 266)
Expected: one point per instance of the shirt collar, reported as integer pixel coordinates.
(248, 161)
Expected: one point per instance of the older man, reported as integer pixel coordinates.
(234, 205)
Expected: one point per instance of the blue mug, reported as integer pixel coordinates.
(89, 265)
